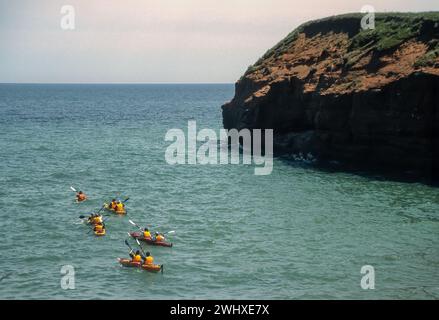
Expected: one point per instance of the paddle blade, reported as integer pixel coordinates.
(173, 231)
(73, 189)
(131, 221)
(138, 242)
(81, 217)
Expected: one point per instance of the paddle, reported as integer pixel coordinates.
(141, 249)
(126, 201)
(138, 243)
(102, 208)
(129, 234)
(134, 224)
(82, 216)
(126, 242)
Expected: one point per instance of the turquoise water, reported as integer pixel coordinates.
(295, 234)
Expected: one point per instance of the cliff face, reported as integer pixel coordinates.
(361, 98)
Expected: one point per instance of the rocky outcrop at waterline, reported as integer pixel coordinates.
(362, 98)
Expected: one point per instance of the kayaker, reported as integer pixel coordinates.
(97, 219)
(120, 207)
(148, 259)
(92, 218)
(159, 237)
(113, 204)
(137, 257)
(81, 196)
(146, 234)
(99, 227)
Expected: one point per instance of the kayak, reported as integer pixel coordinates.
(140, 237)
(152, 267)
(107, 207)
(129, 263)
(133, 264)
(100, 233)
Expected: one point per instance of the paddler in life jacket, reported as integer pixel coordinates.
(120, 207)
(97, 219)
(99, 227)
(81, 196)
(137, 257)
(148, 259)
(146, 234)
(113, 204)
(92, 219)
(159, 237)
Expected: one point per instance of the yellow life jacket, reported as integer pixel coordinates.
(146, 234)
(113, 205)
(99, 227)
(149, 260)
(137, 258)
(160, 238)
(119, 207)
(97, 219)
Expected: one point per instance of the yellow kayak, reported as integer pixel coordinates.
(100, 233)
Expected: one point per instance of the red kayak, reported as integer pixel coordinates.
(140, 237)
(147, 267)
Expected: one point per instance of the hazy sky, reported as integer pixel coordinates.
(155, 40)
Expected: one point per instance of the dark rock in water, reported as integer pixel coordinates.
(365, 99)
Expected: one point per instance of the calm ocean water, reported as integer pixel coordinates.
(297, 233)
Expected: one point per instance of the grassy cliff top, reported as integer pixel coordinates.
(391, 30)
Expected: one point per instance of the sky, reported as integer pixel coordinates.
(155, 41)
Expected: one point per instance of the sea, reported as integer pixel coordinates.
(297, 233)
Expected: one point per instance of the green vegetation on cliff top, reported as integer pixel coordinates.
(391, 29)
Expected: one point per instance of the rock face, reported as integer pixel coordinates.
(361, 98)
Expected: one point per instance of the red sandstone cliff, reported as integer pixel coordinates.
(363, 98)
